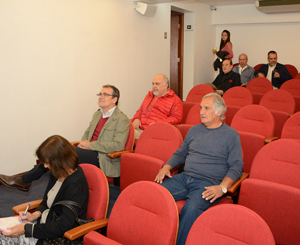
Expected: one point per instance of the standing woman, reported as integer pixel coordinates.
(67, 182)
(226, 45)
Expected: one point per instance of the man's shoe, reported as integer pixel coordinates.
(14, 181)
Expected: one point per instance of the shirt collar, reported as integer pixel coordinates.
(108, 113)
(273, 65)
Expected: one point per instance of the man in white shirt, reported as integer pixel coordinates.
(246, 71)
(275, 72)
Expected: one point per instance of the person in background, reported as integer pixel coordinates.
(226, 79)
(66, 182)
(226, 45)
(276, 73)
(160, 105)
(246, 72)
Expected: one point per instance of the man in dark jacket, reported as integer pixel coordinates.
(227, 79)
(275, 72)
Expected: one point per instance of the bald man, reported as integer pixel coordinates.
(160, 105)
(246, 71)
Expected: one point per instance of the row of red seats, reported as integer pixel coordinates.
(283, 155)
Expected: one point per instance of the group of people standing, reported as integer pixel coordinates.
(241, 74)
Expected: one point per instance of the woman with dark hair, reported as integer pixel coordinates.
(67, 182)
(226, 45)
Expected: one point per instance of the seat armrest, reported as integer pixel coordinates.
(116, 154)
(84, 229)
(271, 139)
(22, 207)
(176, 168)
(74, 143)
(237, 184)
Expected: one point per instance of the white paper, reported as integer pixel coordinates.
(8, 222)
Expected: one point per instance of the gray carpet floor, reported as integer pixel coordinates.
(12, 197)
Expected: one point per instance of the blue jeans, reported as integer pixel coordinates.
(185, 187)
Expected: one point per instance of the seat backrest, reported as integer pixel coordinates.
(278, 100)
(98, 192)
(131, 138)
(144, 213)
(159, 140)
(238, 96)
(196, 93)
(235, 64)
(278, 162)
(292, 86)
(292, 70)
(230, 224)
(291, 128)
(254, 119)
(297, 76)
(257, 66)
(194, 115)
(259, 85)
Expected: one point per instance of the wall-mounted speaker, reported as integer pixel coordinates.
(145, 9)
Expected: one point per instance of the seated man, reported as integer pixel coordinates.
(160, 105)
(246, 72)
(227, 79)
(213, 161)
(107, 132)
(275, 72)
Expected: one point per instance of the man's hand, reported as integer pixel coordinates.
(260, 75)
(165, 171)
(220, 92)
(84, 144)
(15, 231)
(136, 123)
(276, 75)
(212, 193)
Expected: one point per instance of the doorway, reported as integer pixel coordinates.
(176, 53)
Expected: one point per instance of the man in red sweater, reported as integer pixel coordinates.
(160, 105)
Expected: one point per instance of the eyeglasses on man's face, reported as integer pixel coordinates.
(104, 94)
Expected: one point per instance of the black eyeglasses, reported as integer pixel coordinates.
(104, 94)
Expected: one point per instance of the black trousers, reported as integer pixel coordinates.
(84, 156)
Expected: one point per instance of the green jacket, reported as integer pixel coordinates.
(112, 137)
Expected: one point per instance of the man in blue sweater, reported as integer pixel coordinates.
(213, 161)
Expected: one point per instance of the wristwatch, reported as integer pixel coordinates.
(224, 190)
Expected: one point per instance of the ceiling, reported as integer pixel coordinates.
(208, 2)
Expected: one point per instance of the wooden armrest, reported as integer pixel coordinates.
(176, 168)
(75, 143)
(84, 229)
(271, 139)
(116, 154)
(237, 184)
(22, 207)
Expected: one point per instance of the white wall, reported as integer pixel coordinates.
(56, 55)
(255, 33)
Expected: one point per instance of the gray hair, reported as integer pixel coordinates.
(166, 79)
(218, 104)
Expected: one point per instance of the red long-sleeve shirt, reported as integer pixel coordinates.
(167, 108)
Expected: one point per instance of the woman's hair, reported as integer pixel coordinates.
(59, 154)
(223, 43)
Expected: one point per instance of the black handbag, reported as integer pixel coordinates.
(55, 217)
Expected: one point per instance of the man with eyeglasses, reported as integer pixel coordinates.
(107, 132)
(160, 105)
